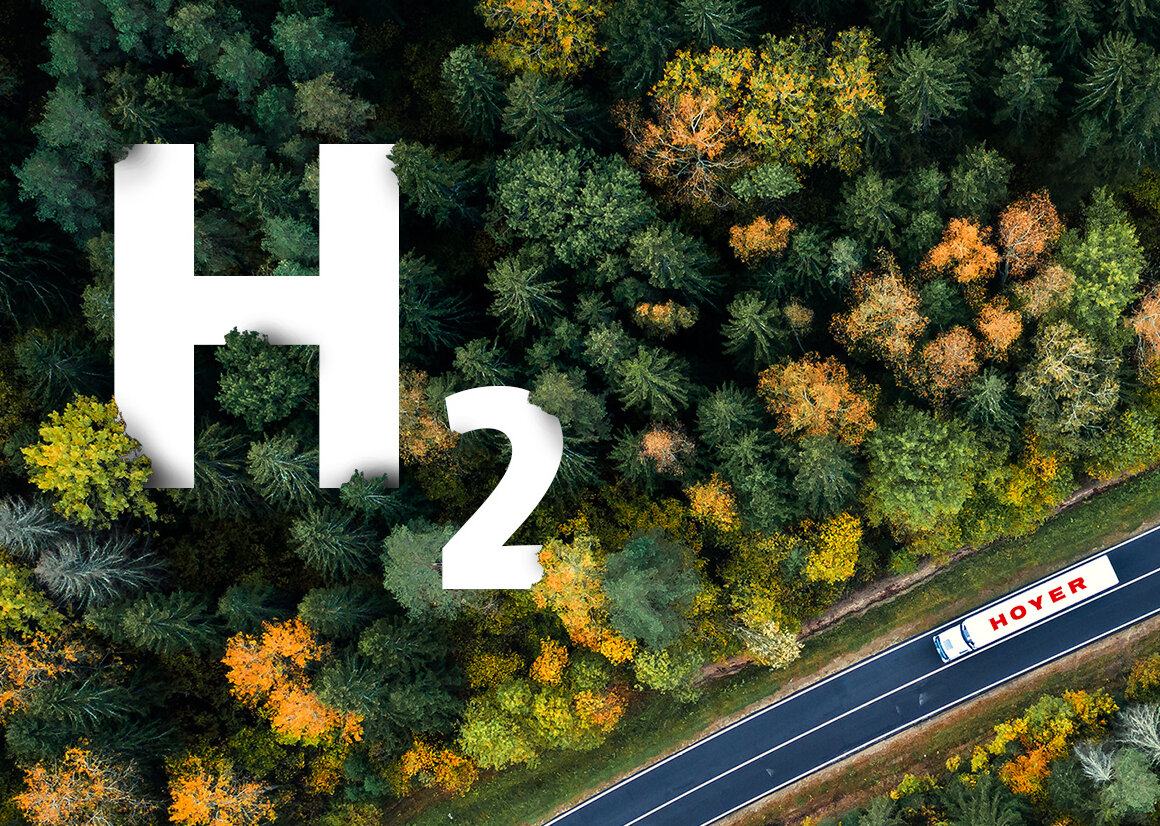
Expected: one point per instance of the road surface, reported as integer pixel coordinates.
(859, 706)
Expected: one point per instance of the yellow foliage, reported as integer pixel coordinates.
(713, 503)
(760, 239)
(554, 37)
(439, 768)
(834, 548)
(548, 668)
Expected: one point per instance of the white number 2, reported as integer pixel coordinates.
(476, 557)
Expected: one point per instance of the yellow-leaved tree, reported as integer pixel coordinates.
(85, 458)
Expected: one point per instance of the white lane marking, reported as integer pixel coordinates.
(849, 669)
(939, 710)
(883, 696)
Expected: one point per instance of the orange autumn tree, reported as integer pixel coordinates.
(553, 37)
(423, 437)
(663, 320)
(85, 789)
(1027, 229)
(815, 397)
(1000, 327)
(270, 673)
(884, 318)
(760, 239)
(947, 362)
(1145, 322)
(666, 447)
(28, 665)
(964, 252)
(433, 767)
(689, 147)
(570, 588)
(213, 794)
(548, 668)
(1044, 733)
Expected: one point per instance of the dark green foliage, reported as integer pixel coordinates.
(342, 611)
(59, 366)
(978, 183)
(651, 583)
(314, 44)
(987, 803)
(525, 296)
(825, 477)
(333, 543)
(755, 331)
(653, 381)
(727, 414)
(727, 24)
(162, 624)
(541, 111)
(429, 318)
(639, 36)
(990, 404)
(284, 476)
(434, 185)
(766, 182)
(1027, 88)
(263, 383)
(871, 210)
(673, 260)
(928, 84)
(582, 206)
(92, 569)
(472, 85)
(220, 486)
(244, 608)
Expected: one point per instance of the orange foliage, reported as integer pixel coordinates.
(215, 795)
(798, 316)
(1146, 324)
(760, 239)
(664, 319)
(84, 789)
(713, 503)
(812, 397)
(1027, 228)
(570, 587)
(884, 318)
(270, 673)
(548, 668)
(433, 767)
(423, 437)
(26, 666)
(1000, 325)
(666, 447)
(688, 147)
(964, 251)
(602, 709)
(947, 362)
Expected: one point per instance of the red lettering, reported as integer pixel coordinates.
(1018, 612)
(1056, 594)
(1037, 603)
(995, 623)
(1076, 585)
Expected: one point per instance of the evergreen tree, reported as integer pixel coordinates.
(241, 67)
(1027, 88)
(825, 477)
(29, 528)
(58, 366)
(411, 560)
(332, 543)
(282, 474)
(927, 84)
(263, 383)
(434, 185)
(220, 487)
(341, 611)
(978, 183)
(245, 608)
(524, 296)
(315, 44)
(654, 381)
(726, 24)
(162, 624)
(472, 85)
(541, 111)
(870, 209)
(651, 586)
(639, 36)
(429, 317)
(92, 570)
(755, 331)
(673, 260)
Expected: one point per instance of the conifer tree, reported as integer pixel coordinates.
(472, 85)
(341, 611)
(29, 528)
(162, 624)
(928, 84)
(92, 570)
(541, 112)
(282, 474)
(331, 542)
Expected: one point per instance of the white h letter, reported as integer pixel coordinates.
(351, 310)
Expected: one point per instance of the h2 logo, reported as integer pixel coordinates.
(351, 311)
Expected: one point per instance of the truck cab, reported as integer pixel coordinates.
(952, 643)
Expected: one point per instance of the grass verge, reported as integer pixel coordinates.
(656, 726)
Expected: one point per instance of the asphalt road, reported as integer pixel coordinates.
(855, 708)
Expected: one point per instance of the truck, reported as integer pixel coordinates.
(1025, 608)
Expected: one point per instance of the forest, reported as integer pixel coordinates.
(819, 291)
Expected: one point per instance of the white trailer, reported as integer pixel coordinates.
(1026, 607)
